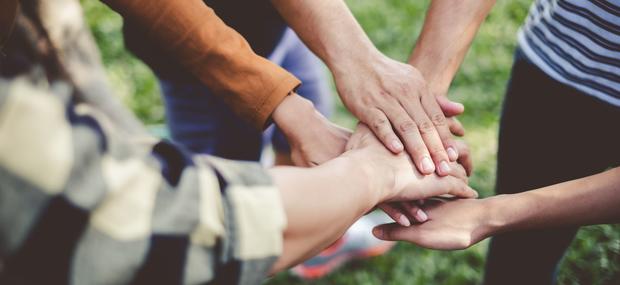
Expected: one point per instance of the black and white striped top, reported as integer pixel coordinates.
(577, 42)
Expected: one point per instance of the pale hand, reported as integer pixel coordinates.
(392, 98)
(397, 176)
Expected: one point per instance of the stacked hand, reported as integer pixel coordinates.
(406, 213)
(450, 225)
(445, 225)
(393, 99)
(396, 177)
(314, 139)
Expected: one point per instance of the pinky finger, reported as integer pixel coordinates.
(456, 128)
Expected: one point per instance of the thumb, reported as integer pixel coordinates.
(395, 232)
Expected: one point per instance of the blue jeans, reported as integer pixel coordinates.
(202, 122)
(549, 133)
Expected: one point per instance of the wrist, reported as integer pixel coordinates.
(498, 217)
(293, 113)
(355, 60)
(375, 181)
(437, 78)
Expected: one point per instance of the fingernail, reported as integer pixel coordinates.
(397, 146)
(452, 154)
(474, 191)
(378, 232)
(427, 165)
(421, 216)
(403, 221)
(444, 167)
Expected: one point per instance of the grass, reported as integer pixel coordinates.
(393, 25)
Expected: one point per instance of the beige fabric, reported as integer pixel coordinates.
(261, 220)
(211, 209)
(125, 214)
(35, 137)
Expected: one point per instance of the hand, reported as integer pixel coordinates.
(392, 98)
(395, 174)
(406, 212)
(313, 139)
(456, 224)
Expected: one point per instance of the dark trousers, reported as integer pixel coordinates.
(549, 133)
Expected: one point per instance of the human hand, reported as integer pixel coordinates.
(407, 212)
(456, 224)
(397, 177)
(392, 98)
(312, 137)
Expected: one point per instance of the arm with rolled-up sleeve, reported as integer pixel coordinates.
(215, 53)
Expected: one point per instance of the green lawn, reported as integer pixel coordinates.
(393, 25)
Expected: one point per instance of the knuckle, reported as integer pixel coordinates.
(367, 100)
(438, 120)
(384, 94)
(407, 127)
(378, 123)
(405, 88)
(426, 127)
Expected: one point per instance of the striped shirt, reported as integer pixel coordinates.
(576, 42)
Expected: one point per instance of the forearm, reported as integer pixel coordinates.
(448, 31)
(293, 113)
(329, 29)
(216, 54)
(585, 201)
(320, 204)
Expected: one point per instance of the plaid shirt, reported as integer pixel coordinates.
(85, 201)
(82, 203)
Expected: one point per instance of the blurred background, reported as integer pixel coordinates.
(393, 25)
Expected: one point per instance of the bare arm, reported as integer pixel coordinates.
(449, 28)
(586, 201)
(460, 224)
(389, 96)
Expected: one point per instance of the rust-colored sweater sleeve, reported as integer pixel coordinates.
(215, 53)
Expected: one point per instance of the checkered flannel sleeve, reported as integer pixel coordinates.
(82, 203)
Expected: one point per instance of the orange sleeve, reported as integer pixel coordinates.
(215, 53)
